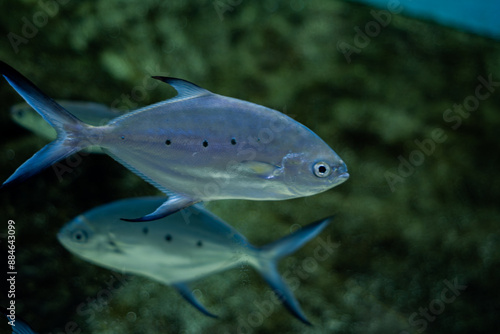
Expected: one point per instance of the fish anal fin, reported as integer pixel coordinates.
(186, 292)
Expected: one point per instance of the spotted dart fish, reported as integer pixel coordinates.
(180, 248)
(197, 146)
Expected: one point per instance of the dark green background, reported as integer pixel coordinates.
(394, 249)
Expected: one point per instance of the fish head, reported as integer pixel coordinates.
(24, 115)
(311, 172)
(27, 117)
(21, 111)
(85, 240)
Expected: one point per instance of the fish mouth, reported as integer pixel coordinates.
(341, 172)
(63, 236)
(339, 175)
(344, 176)
(111, 245)
(339, 179)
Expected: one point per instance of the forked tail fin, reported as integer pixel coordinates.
(268, 256)
(72, 134)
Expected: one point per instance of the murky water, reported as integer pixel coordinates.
(411, 107)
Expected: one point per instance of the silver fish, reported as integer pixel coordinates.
(197, 146)
(89, 112)
(180, 248)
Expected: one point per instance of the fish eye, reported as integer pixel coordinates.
(322, 169)
(79, 236)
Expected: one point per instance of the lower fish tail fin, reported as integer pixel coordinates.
(72, 134)
(269, 255)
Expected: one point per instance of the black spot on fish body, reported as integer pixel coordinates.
(168, 237)
(145, 230)
(199, 243)
(122, 137)
(233, 141)
(168, 142)
(205, 143)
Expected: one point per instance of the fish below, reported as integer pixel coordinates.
(197, 146)
(180, 248)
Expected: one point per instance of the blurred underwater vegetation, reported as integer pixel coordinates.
(415, 243)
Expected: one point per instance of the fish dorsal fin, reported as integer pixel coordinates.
(185, 89)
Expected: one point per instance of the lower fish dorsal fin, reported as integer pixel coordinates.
(270, 254)
(185, 292)
(173, 204)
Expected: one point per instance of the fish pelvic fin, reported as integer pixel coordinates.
(173, 204)
(269, 255)
(72, 134)
(185, 292)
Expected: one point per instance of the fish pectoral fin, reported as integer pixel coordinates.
(259, 168)
(186, 292)
(173, 204)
